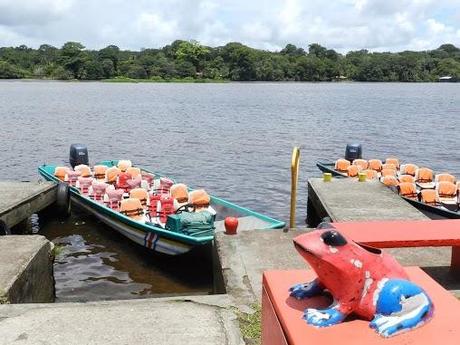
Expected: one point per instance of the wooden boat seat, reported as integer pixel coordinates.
(282, 321)
(396, 234)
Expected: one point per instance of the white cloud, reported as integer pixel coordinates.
(269, 24)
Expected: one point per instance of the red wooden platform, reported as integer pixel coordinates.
(282, 321)
(396, 234)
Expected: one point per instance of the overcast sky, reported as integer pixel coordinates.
(379, 25)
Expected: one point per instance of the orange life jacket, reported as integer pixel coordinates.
(390, 181)
(352, 171)
(342, 165)
(408, 190)
(445, 177)
(388, 172)
(406, 178)
(99, 172)
(392, 160)
(424, 175)
(375, 164)
(132, 208)
(112, 174)
(389, 166)
(429, 196)
(60, 172)
(179, 192)
(361, 163)
(409, 169)
(446, 189)
(141, 194)
(134, 172)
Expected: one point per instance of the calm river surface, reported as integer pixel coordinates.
(233, 139)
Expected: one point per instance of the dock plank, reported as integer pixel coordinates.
(22, 199)
(350, 200)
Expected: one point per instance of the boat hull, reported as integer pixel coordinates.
(329, 168)
(155, 237)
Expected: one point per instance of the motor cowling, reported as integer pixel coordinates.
(353, 151)
(78, 155)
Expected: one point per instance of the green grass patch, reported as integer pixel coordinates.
(251, 325)
(57, 250)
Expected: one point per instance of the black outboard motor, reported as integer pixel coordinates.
(353, 151)
(78, 155)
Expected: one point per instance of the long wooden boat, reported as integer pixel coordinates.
(440, 210)
(155, 236)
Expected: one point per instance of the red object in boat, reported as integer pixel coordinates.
(122, 182)
(231, 225)
(167, 207)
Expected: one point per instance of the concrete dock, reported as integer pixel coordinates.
(22, 199)
(197, 320)
(349, 200)
(26, 272)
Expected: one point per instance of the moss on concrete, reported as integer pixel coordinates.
(251, 325)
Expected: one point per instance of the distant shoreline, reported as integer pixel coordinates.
(219, 81)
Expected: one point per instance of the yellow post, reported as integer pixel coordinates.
(294, 178)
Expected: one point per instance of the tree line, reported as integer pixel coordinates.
(190, 60)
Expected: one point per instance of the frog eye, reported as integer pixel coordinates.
(333, 238)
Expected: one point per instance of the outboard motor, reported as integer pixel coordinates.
(353, 151)
(78, 155)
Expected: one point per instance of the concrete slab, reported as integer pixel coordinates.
(245, 256)
(350, 200)
(26, 272)
(21, 199)
(198, 320)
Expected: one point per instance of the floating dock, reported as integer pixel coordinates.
(348, 200)
(22, 199)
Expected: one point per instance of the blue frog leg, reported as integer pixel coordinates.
(300, 291)
(401, 305)
(324, 317)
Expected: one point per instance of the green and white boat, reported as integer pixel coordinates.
(157, 236)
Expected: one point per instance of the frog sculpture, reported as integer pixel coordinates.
(363, 281)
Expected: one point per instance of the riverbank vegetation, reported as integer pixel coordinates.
(189, 61)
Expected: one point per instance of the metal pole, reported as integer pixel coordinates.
(295, 160)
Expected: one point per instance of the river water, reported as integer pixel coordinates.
(235, 140)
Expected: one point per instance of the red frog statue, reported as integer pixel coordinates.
(363, 281)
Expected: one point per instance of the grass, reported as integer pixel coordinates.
(57, 250)
(161, 80)
(251, 325)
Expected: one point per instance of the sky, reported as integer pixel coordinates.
(343, 25)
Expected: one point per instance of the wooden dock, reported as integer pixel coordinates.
(349, 200)
(19, 200)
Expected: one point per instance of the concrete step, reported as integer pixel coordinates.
(197, 320)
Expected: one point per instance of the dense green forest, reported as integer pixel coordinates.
(191, 61)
